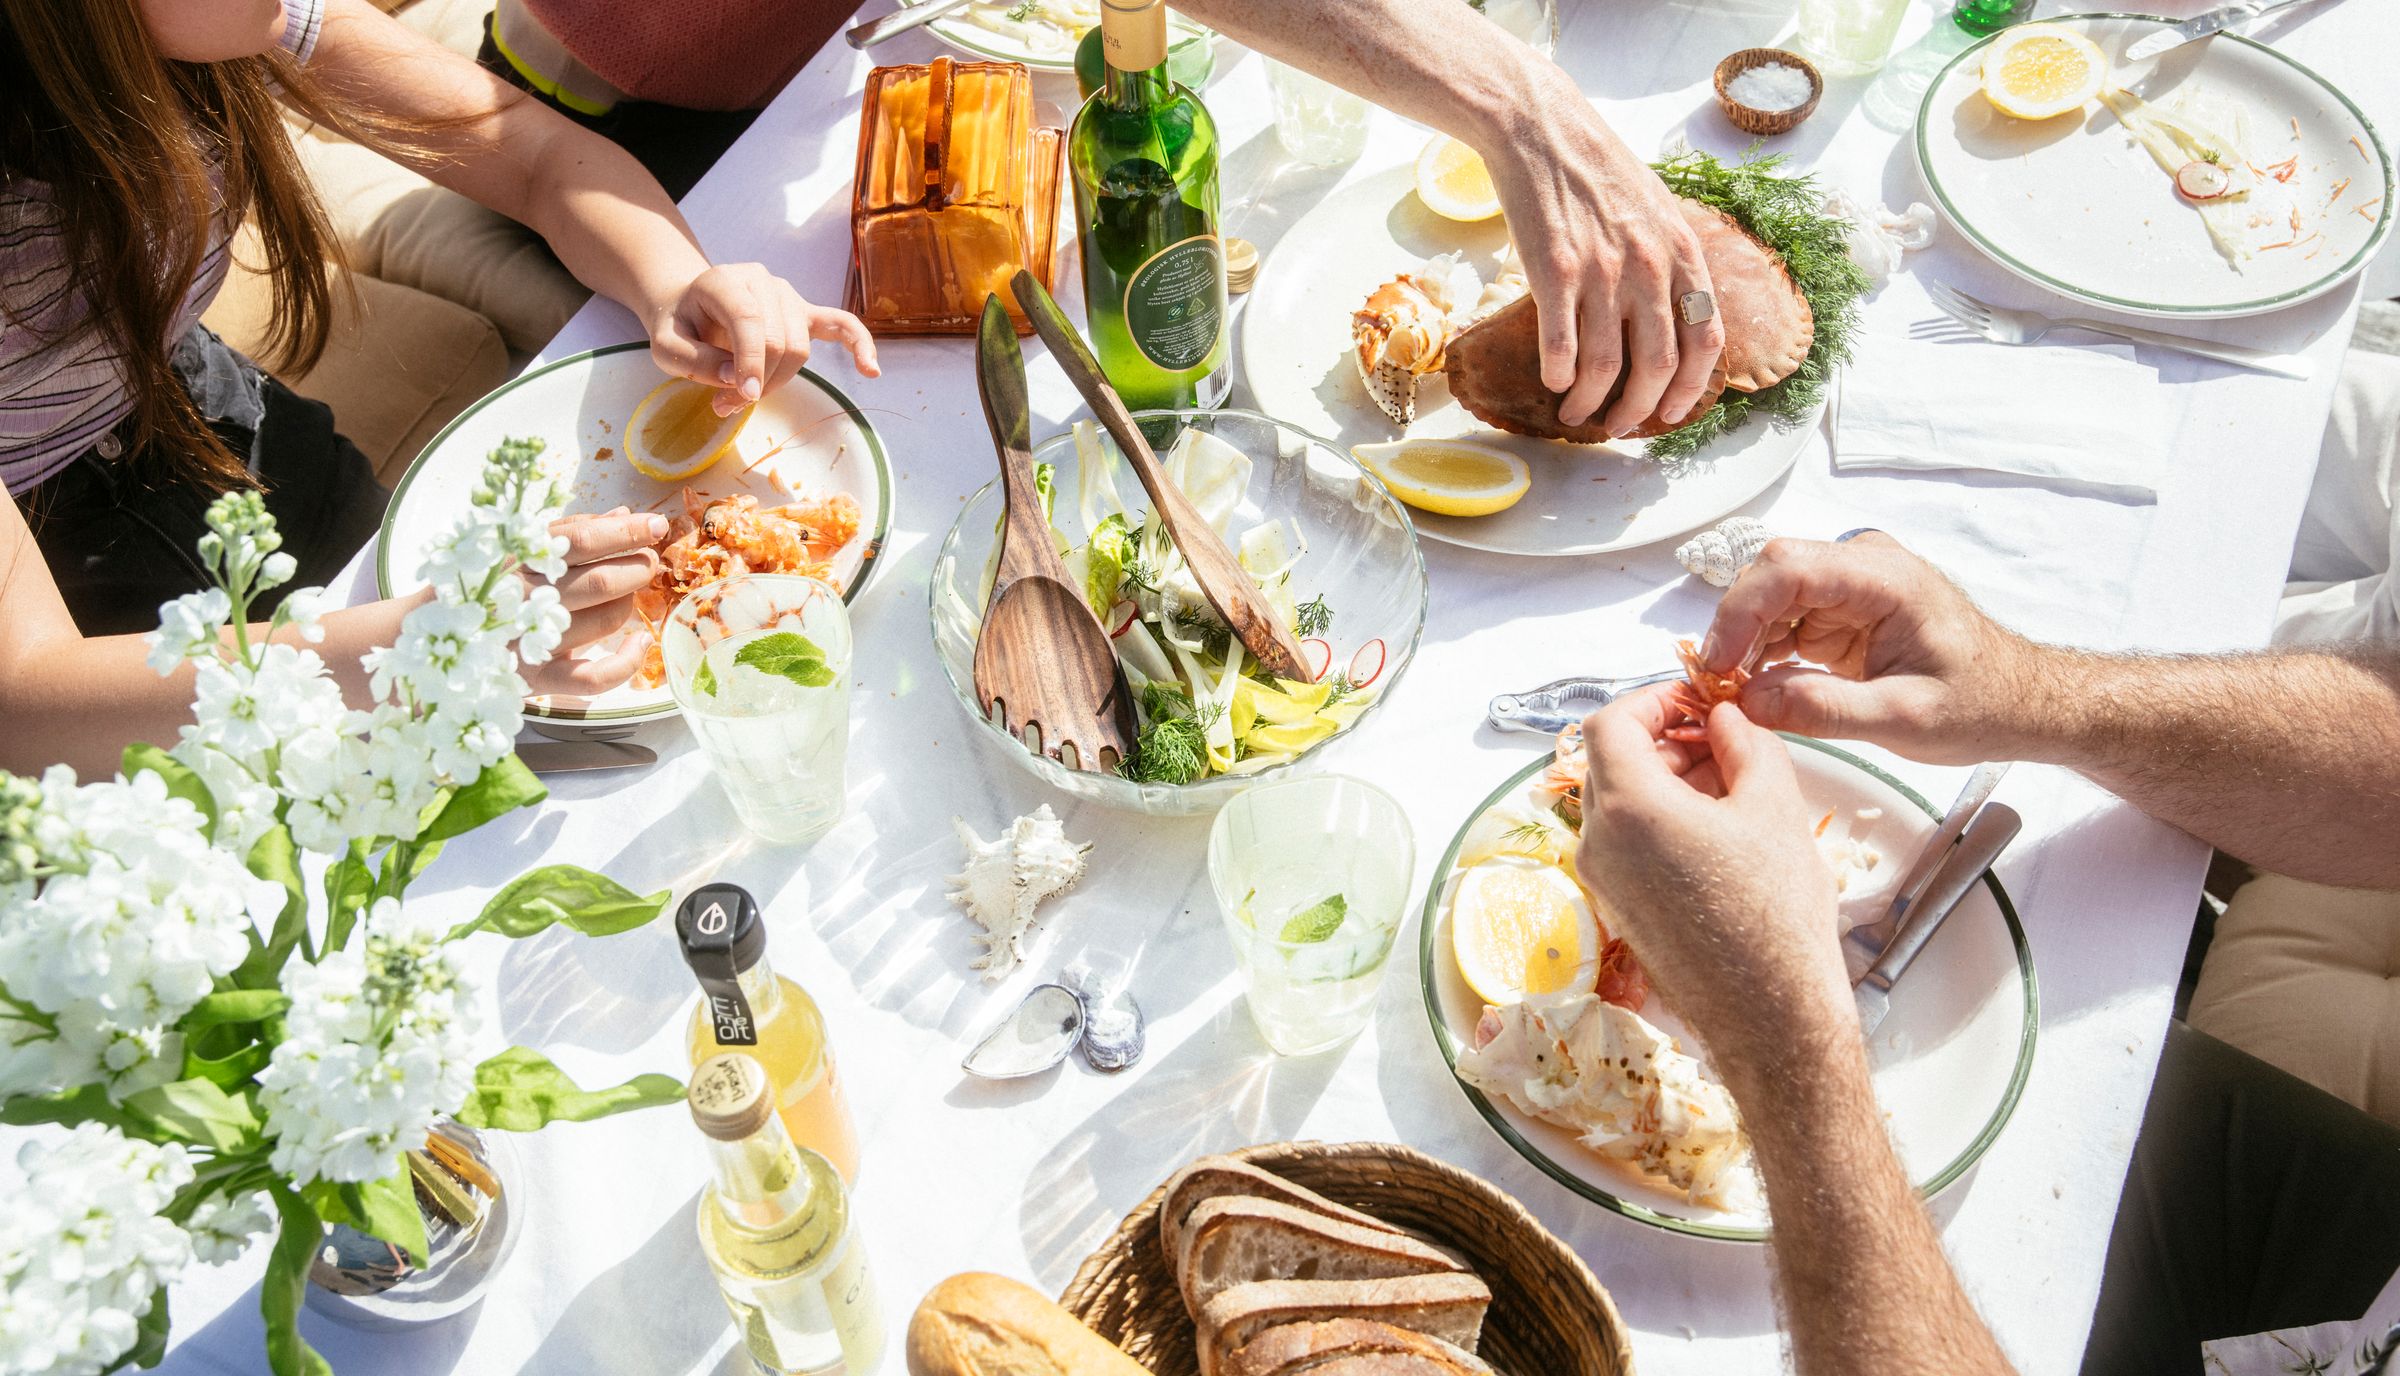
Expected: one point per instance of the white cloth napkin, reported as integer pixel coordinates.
(2085, 418)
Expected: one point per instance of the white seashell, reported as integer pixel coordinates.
(1717, 556)
(1879, 237)
(1008, 876)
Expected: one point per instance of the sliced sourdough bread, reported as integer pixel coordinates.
(1361, 1345)
(1448, 1306)
(1213, 1177)
(1237, 1239)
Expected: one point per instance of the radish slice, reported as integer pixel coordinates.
(1367, 665)
(1316, 656)
(1125, 614)
(2200, 180)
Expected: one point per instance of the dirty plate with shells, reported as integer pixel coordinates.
(805, 438)
(1585, 499)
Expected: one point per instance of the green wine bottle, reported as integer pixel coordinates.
(1143, 153)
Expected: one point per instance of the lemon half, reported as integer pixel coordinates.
(675, 432)
(1521, 927)
(1448, 477)
(1454, 183)
(2042, 70)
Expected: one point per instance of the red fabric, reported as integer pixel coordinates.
(698, 54)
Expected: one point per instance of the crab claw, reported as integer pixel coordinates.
(1393, 389)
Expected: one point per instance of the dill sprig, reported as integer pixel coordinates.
(1173, 748)
(1312, 617)
(1527, 834)
(1786, 213)
(1216, 638)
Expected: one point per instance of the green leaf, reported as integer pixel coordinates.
(705, 682)
(519, 1090)
(789, 655)
(286, 1284)
(592, 904)
(1316, 923)
(1105, 558)
(180, 779)
(385, 1208)
(349, 887)
(197, 1111)
(232, 1070)
(235, 1005)
(274, 857)
(150, 1337)
(500, 788)
(88, 1104)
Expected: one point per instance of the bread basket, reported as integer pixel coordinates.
(1766, 123)
(1549, 1317)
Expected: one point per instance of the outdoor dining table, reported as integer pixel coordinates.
(1026, 1177)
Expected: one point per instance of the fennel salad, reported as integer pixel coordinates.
(1204, 707)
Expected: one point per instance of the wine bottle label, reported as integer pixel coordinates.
(1175, 303)
(1133, 33)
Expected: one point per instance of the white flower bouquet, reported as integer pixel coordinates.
(231, 1055)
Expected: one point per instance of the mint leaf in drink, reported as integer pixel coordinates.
(1316, 923)
(787, 654)
(705, 682)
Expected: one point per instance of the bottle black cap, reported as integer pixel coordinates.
(719, 928)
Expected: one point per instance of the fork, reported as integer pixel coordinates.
(2004, 326)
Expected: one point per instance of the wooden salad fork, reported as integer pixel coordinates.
(1042, 659)
(1231, 593)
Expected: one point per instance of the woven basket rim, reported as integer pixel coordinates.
(1142, 1221)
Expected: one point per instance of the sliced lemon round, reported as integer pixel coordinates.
(1454, 183)
(1448, 477)
(1522, 927)
(2039, 71)
(676, 433)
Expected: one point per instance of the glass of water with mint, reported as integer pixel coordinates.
(1312, 876)
(760, 665)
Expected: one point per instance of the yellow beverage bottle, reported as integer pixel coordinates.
(746, 1007)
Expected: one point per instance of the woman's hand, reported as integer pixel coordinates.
(739, 327)
(610, 558)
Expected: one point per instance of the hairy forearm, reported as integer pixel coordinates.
(2289, 759)
(1866, 1289)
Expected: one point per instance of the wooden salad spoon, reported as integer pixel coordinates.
(1041, 657)
(1230, 592)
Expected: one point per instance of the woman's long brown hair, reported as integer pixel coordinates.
(124, 140)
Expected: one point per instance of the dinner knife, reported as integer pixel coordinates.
(2203, 25)
(1866, 942)
(899, 21)
(1960, 871)
(562, 757)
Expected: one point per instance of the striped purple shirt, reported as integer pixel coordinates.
(60, 385)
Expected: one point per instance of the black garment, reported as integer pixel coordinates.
(2255, 1201)
(676, 144)
(120, 531)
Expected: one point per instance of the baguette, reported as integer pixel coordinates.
(1214, 1177)
(1235, 1239)
(1319, 1349)
(985, 1325)
(1448, 1306)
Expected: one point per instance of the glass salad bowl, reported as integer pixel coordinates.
(1356, 551)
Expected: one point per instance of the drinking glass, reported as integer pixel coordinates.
(1315, 120)
(1535, 21)
(1849, 37)
(760, 665)
(1312, 876)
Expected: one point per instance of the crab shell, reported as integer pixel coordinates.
(1495, 371)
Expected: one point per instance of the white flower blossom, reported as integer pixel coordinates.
(188, 627)
(276, 570)
(341, 1103)
(83, 1251)
(223, 1225)
(305, 609)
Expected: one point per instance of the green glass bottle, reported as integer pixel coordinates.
(1981, 17)
(1143, 154)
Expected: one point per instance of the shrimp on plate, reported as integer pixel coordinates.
(721, 537)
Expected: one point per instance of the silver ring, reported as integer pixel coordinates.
(1696, 307)
(1848, 535)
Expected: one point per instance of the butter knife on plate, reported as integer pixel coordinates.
(2204, 25)
(1961, 869)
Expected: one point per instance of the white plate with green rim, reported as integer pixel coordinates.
(2074, 205)
(1950, 1061)
(807, 432)
(1586, 498)
(1042, 34)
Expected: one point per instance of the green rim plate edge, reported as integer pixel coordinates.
(866, 572)
(2333, 278)
(945, 31)
(1448, 1044)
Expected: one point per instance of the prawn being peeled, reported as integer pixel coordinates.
(726, 536)
(1702, 689)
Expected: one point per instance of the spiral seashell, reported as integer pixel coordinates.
(1718, 555)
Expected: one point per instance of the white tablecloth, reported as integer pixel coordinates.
(1027, 1178)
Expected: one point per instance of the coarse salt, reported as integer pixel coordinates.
(1770, 86)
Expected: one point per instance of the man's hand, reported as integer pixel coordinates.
(610, 558)
(1608, 255)
(1909, 662)
(1703, 858)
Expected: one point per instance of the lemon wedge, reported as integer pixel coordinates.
(675, 433)
(1448, 477)
(1454, 183)
(2042, 70)
(1520, 927)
